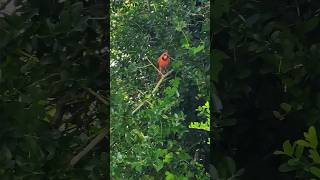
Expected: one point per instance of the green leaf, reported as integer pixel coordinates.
(278, 115)
(279, 153)
(286, 107)
(314, 155)
(137, 166)
(288, 148)
(286, 168)
(158, 166)
(293, 162)
(200, 125)
(169, 176)
(196, 50)
(179, 24)
(168, 157)
(299, 151)
(315, 171)
(303, 143)
(177, 64)
(311, 136)
(185, 43)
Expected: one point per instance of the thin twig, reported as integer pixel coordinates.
(154, 66)
(91, 145)
(28, 55)
(144, 66)
(195, 14)
(97, 96)
(280, 64)
(50, 76)
(140, 92)
(234, 54)
(140, 105)
(149, 102)
(298, 8)
(138, 26)
(98, 18)
(160, 81)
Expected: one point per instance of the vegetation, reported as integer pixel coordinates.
(305, 163)
(150, 138)
(239, 116)
(265, 70)
(53, 83)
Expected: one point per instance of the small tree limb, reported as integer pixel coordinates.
(153, 91)
(144, 66)
(96, 95)
(140, 105)
(91, 145)
(160, 81)
(154, 66)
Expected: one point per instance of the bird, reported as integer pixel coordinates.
(163, 63)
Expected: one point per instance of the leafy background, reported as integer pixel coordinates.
(150, 134)
(266, 74)
(263, 97)
(52, 74)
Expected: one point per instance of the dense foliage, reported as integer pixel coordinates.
(303, 156)
(53, 79)
(263, 90)
(150, 134)
(266, 73)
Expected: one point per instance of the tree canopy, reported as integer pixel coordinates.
(150, 138)
(80, 99)
(53, 80)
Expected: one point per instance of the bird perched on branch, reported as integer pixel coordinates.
(163, 63)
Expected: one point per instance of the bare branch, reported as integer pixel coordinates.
(97, 96)
(154, 66)
(91, 145)
(144, 66)
(153, 91)
(160, 81)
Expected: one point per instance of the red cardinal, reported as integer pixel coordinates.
(163, 62)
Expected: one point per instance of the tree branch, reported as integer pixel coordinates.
(91, 145)
(154, 66)
(96, 95)
(153, 91)
(160, 81)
